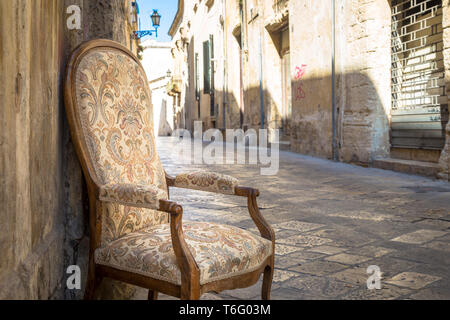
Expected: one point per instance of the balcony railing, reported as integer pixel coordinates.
(280, 5)
(175, 85)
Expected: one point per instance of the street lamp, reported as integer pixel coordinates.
(156, 17)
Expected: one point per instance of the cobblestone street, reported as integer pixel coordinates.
(332, 221)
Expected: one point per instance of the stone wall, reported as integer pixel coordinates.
(363, 64)
(43, 227)
(157, 60)
(232, 25)
(311, 92)
(31, 157)
(362, 78)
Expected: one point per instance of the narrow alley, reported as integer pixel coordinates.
(350, 97)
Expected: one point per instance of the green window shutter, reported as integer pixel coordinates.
(211, 67)
(206, 68)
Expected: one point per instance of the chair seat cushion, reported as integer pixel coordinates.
(221, 252)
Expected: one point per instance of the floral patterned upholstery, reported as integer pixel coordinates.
(119, 220)
(206, 181)
(220, 251)
(136, 195)
(114, 106)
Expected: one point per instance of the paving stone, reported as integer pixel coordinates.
(285, 234)
(362, 215)
(438, 245)
(390, 266)
(372, 251)
(327, 249)
(295, 259)
(419, 236)
(281, 249)
(304, 240)
(162, 296)
(431, 294)
(235, 218)
(226, 205)
(298, 226)
(346, 258)
(412, 280)
(283, 275)
(343, 236)
(387, 292)
(445, 238)
(302, 198)
(319, 267)
(436, 213)
(438, 224)
(356, 276)
(210, 296)
(319, 286)
(292, 294)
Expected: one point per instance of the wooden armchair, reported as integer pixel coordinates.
(137, 234)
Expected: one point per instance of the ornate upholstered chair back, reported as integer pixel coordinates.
(114, 109)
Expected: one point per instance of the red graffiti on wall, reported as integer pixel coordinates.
(298, 76)
(300, 71)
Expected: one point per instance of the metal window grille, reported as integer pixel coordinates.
(419, 103)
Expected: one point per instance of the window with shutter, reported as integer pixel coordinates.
(206, 68)
(212, 111)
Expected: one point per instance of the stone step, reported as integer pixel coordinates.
(284, 145)
(421, 168)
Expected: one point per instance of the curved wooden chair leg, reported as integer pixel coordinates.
(190, 289)
(195, 296)
(267, 282)
(152, 295)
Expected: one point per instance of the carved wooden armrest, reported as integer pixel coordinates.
(264, 228)
(204, 181)
(134, 195)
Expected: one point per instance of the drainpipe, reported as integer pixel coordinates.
(333, 77)
(225, 66)
(242, 99)
(261, 92)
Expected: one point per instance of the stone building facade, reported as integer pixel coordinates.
(335, 77)
(158, 64)
(44, 223)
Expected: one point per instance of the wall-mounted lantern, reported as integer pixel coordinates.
(156, 18)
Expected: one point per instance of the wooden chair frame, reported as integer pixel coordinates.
(190, 287)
